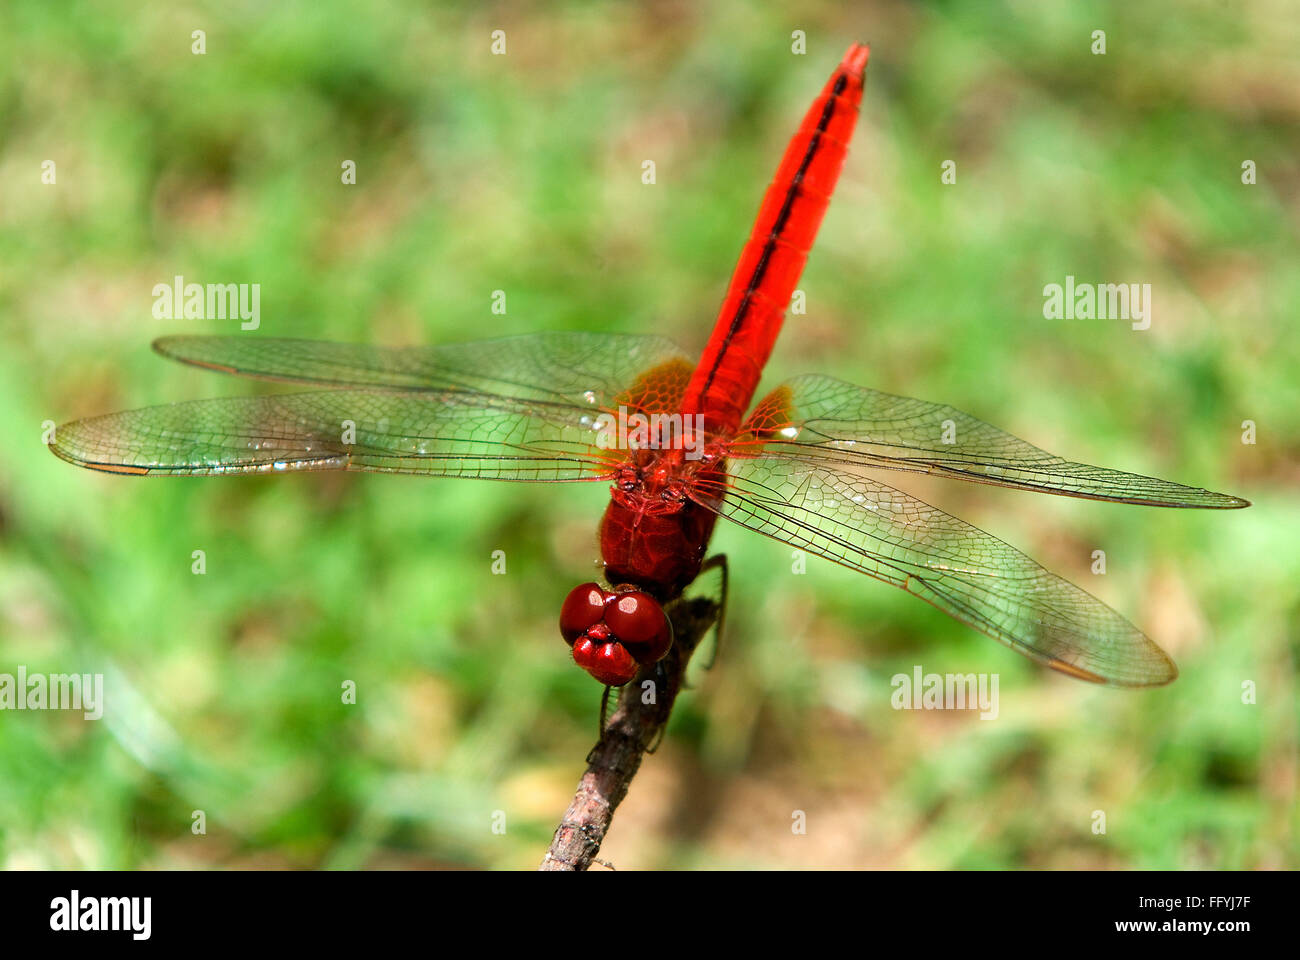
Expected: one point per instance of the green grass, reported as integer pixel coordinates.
(522, 173)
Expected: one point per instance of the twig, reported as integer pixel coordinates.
(634, 727)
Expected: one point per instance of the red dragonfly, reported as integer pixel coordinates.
(673, 439)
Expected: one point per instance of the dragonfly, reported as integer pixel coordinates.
(680, 442)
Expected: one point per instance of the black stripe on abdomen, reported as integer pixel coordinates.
(782, 218)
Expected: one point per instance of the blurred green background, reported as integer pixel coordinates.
(523, 173)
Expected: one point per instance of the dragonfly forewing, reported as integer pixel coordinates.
(588, 369)
(447, 435)
(825, 421)
(517, 408)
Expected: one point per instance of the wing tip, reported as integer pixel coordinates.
(1210, 500)
(67, 455)
(1165, 674)
(1203, 500)
(166, 346)
(171, 347)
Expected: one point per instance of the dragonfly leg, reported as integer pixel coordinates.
(661, 683)
(658, 739)
(604, 707)
(720, 562)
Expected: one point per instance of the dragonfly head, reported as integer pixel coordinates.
(614, 633)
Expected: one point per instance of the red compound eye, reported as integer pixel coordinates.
(610, 663)
(639, 623)
(584, 606)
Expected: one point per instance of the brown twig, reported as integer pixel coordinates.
(634, 727)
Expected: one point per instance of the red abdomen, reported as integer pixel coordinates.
(773, 258)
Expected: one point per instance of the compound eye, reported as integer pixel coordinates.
(583, 607)
(639, 623)
(610, 663)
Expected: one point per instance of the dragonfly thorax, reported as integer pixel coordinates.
(651, 485)
(655, 531)
(660, 482)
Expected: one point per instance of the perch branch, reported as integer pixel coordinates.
(634, 727)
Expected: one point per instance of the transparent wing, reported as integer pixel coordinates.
(822, 420)
(525, 408)
(557, 366)
(970, 575)
(338, 430)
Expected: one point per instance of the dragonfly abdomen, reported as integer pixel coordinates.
(773, 258)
